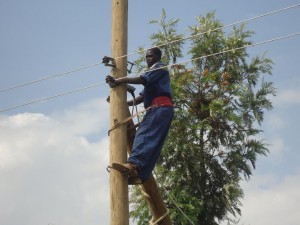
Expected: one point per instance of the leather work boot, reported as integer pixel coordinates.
(131, 169)
(127, 169)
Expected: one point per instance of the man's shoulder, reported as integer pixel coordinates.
(160, 65)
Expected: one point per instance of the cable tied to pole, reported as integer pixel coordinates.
(162, 186)
(145, 193)
(152, 222)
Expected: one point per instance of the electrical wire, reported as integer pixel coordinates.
(174, 202)
(218, 53)
(51, 97)
(49, 77)
(201, 57)
(219, 28)
(170, 42)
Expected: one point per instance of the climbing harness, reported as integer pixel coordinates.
(160, 101)
(118, 124)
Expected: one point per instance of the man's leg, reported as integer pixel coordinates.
(150, 139)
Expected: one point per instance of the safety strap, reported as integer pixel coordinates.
(152, 221)
(117, 124)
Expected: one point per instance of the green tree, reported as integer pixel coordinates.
(213, 143)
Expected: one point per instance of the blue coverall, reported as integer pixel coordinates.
(153, 130)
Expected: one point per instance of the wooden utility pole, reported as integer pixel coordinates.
(119, 204)
(119, 207)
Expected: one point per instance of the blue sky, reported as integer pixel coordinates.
(53, 154)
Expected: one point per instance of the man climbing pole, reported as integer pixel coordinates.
(153, 130)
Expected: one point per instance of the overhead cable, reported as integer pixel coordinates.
(49, 77)
(183, 62)
(219, 28)
(218, 53)
(51, 97)
(170, 42)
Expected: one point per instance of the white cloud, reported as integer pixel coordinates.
(85, 118)
(273, 135)
(50, 172)
(277, 147)
(274, 122)
(269, 200)
(287, 96)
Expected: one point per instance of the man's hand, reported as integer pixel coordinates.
(111, 81)
(108, 99)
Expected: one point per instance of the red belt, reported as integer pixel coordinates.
(162, 101)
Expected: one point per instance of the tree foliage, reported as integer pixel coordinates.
(213, 144)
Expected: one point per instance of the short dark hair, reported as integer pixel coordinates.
(156, 51)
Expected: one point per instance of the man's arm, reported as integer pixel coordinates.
(135, 101)
(124, 80)
(139, 99)
(129, 80)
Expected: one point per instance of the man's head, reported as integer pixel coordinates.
(153, 56)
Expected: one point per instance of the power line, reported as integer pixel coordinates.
(170, 42)
(51, 97)
(49, 77)
(201, 57)
(219, 28)
(225, 51)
